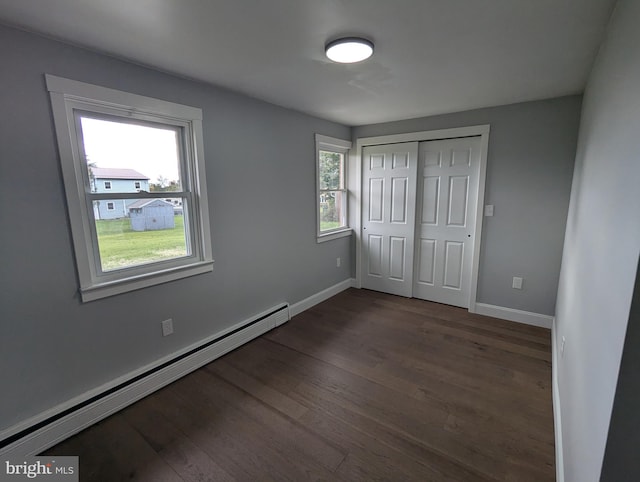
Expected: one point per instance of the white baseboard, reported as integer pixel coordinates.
(63, 427)
(526, 317)
(148, 379)
(297, 308)
(543, 321)
(557, 414)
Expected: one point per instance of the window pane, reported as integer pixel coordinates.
(132, 232)
(332, 210)
(330, 170)
(125, 157)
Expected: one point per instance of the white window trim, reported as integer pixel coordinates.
(111, 206)
(68, 95)
(326, 143)
(107, 185)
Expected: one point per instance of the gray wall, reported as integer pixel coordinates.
(621, 461)
(261, 175)
(529, 168)
(602, 245)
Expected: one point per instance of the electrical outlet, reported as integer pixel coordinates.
(338, 262)
(488, 210)
(562, 346)
(517, 283)
(167, 327)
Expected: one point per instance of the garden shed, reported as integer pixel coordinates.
(151, 214)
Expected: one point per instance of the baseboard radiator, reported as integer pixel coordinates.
(43, 431)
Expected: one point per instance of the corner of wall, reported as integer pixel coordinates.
(299, 307)
(557, 412)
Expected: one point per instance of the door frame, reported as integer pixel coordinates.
(356, 187)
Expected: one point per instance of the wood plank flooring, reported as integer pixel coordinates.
(365, 386)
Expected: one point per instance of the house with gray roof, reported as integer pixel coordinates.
(115, 180)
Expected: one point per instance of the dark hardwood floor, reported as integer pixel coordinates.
(364, 386)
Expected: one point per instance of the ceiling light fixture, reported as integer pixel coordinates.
(349, 50)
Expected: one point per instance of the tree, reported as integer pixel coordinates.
(164, 185)
(330, 168)
(92, 178)
(162, 181)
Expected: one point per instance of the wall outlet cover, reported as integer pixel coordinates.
(167, 327)
(488, 210)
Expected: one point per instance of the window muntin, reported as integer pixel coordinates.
(331, 187)
(89, 161)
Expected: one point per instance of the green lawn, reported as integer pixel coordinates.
(326, 225)
(121, 247)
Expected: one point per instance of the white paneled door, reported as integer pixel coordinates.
(445, 219)
(388, 214)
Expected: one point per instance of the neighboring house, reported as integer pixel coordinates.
(151, 214)
(177, 205)
(115, 180)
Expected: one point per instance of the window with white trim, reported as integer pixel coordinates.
(331, 187)
(105, 133)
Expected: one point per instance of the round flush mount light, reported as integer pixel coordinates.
(349, 50)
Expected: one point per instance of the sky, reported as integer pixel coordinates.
(149, 150)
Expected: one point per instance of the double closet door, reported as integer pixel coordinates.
(419, 215)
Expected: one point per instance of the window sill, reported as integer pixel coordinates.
(125, 285)
(334, 235)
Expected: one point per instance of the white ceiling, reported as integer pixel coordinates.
(431, 56)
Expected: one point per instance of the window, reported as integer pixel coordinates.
(105, 133)
(331, 195)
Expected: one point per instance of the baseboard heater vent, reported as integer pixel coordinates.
(39, 433)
